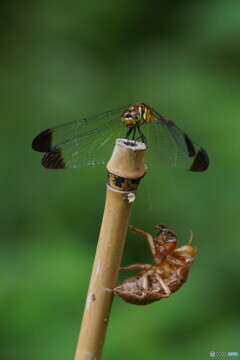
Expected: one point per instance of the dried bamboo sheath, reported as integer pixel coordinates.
(125, 170)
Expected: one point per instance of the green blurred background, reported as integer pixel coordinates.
(62, 60)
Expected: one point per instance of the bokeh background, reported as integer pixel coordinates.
(63, 60)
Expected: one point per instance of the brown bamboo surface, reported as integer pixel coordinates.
(125, 168)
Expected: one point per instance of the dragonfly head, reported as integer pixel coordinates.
(132, 118)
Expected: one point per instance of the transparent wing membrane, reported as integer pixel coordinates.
(169, 146)
(173, 147)
(92, 147)
(88, 141)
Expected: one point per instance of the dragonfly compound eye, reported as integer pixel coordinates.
(131, 118)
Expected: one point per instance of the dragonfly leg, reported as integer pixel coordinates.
(142, 136)
(134, 133)
(128, 133)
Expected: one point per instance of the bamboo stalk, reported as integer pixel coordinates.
(125, 170)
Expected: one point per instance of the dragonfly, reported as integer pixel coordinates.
(90, 140)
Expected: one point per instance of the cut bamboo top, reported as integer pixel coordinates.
(126, 166)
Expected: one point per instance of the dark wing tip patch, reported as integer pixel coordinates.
(190, 146)
(201, 161)
(43, 141)
(53, 159)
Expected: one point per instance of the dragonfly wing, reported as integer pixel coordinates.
(174, 147)
(84, 142)
(48, 138)
(91, 148)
